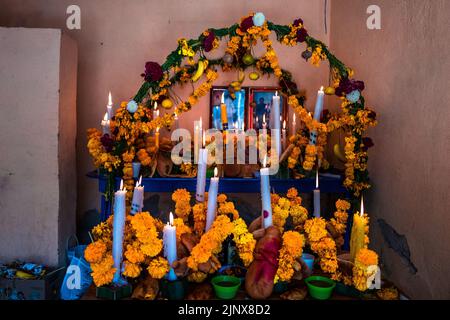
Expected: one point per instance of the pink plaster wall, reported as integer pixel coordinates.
(117, 37)
(405, 66)
(37, 144)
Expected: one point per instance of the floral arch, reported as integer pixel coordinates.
(134, 120)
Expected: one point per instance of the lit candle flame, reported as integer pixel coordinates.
(121, 185)
(215, 172)
(317, 179)
(157, 113)
(175, 115)
(265, 161)
(362, 206)
(276, 93)
(157, 129)
(321, 89)
(139, 182)
(155, 105)
(109, 99)
(264, 118)
(223, 98)
(106, 117)
(294, 117)
(281, 118)
(171, 218)
(284, 124)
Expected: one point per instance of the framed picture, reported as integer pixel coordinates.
(234, 115)
(260, 107)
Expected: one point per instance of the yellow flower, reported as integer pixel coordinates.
(131, 270)
(290, 251)
(158, 268)
(134, 254)
(95, 252)
(103, 272)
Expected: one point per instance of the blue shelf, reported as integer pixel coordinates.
(327, 184)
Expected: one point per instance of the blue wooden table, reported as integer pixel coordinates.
(327, 183)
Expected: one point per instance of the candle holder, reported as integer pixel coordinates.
(173, 290)
(136, 169)
(114, 292)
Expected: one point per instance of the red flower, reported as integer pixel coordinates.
(348, 85)
(208, 41)
(246, 24)
(368, 143)
(153, 72)
(301, 35)
(297, 22)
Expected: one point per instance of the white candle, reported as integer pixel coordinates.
(201, 172)
(294, 125)
(118, 230)
(177, 125)
(362, 207)
(157, 138)
(155, 110)
(317, 113)
(212, 200)
(106, 124)
(170, 246)
(276, 122)
(284, 137)
(265, 195)
(109, 106)
(137, 204)
(264, 124)
(196, 142)
(316, 193)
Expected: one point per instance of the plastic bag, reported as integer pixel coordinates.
(78, 277)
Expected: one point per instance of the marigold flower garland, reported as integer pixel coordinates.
(322, 244)
(211, 242)
(290, 251)
(245, 242)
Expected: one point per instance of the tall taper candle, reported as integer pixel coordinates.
(223, 113)
(316, 193)
(265, 195)
(276, 122)
(212, 200)
(118, 230)
(317, 114)
(294, 125)
(109, 106)
(137, 204)
(170, 246)
(201, 173)
(284, 136)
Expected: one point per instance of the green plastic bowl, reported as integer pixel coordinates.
(226, 292)
(320, 293)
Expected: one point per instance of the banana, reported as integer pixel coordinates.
(338, 153)
(202, 64)
(241, 76)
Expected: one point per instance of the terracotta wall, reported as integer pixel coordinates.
(117, 37)
(405, 67)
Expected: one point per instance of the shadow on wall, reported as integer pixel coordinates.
(398, 243)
